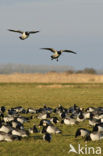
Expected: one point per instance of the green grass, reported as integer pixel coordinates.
(29, 95)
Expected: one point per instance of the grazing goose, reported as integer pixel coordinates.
(44, 122)
(19, 132)
(22, 119)
(88, 115)
(1, 115)
(43, 116)
(16, 124)
(62, 114)
(59, 109)
(2, 109)
(82, 132)
(9, 137)
(69, 121)
(33, 130)
(12, 112)
(47, 109)
(47, 137)
(6, 137)
(19, 109)
(31, 110)
(98, 116)
(54, 120)
(16, 110)
(93, 122)
(8, 118)
(51, 129)
(73, 109)
(57, 53)
(80, 117)
(98, 128)
(101, 116)
(24, 34)
(2, 136)
(5, 128)
(101, 120)
(90, 109)
(94, 136)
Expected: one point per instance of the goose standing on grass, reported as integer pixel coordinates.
(69, 121)
(82, 132)
(51, 129)
(33, 130)
(57, 53)
(94, 136)
(25, 34)
(47, 137)
(8, 137)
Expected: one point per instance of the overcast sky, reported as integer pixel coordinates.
(63, 24)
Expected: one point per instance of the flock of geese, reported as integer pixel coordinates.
(26, 34)
(12, 122)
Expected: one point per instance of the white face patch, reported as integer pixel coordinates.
(24, 36)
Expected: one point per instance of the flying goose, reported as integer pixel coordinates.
(25, 34)
(57, 53)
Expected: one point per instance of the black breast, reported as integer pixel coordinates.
(27, 33)
(59, 52)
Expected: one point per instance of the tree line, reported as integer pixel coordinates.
(20, 68)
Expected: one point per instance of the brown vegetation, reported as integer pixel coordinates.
(52, 78)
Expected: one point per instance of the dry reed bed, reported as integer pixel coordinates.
(51, 78)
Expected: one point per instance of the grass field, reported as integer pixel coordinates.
(30, 95)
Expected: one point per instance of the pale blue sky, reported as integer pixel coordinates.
(63, 24)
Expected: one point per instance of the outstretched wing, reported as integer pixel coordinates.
(33, 32)
(51, 49)
(18, 31)
(69, 51)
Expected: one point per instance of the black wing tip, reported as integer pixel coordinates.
(73, 52)
(44, 48)
(11, 30)
(76, 52)
(36, 31)
(70, 51)
(31, 32)
(41, 48)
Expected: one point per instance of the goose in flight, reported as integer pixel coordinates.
(25, 34)
(57, 53)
